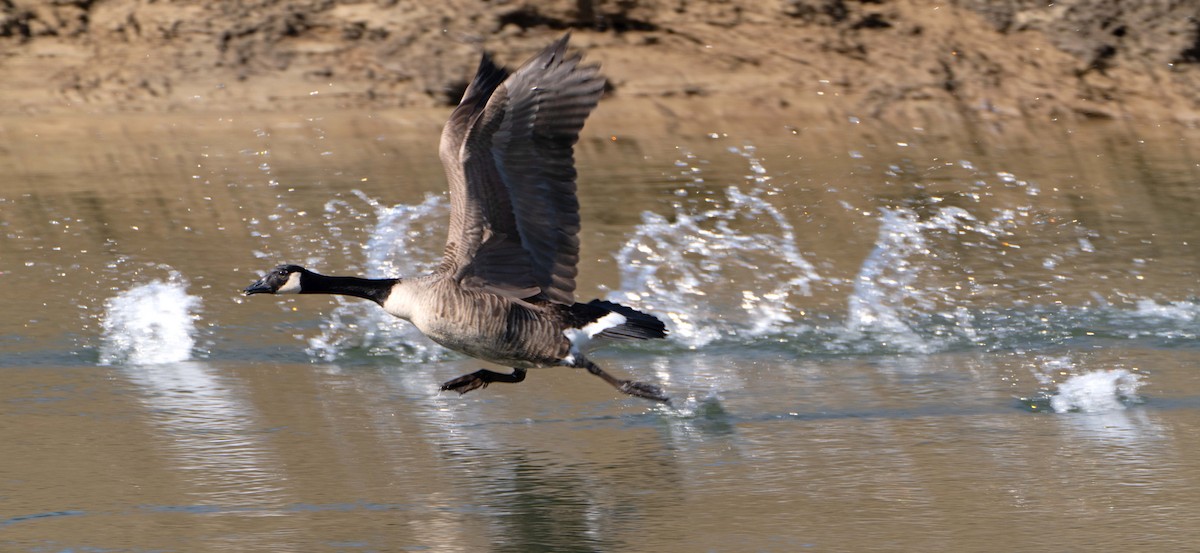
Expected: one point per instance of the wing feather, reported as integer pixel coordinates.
(519, 209)
(465, 223)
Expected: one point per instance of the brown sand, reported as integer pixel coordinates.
(902, 62)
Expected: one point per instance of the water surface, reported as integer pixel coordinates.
(881, 339)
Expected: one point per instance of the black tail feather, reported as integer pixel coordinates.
(638, 325)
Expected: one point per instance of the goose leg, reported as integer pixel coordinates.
(633, 388)
(481, 378)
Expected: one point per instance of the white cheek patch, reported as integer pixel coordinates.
(292, 286)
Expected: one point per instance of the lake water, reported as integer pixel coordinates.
(881, 339)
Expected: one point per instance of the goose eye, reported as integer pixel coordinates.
(282, 272)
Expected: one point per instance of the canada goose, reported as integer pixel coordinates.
(504, 291)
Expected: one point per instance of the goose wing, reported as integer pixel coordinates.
(508, 152)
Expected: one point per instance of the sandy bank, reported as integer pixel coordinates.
(906, 62)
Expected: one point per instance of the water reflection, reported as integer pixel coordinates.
(212, 433)
(1124, 436)
(581, 488)
(543, 507)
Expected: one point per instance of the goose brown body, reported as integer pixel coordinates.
(485, 325)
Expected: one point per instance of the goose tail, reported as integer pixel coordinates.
(605, 319)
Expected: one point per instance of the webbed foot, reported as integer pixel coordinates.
(644, 390)
(480, 379)
(631, 387)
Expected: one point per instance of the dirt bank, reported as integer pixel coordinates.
(903, 61)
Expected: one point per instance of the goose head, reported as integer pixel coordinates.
(284, 279)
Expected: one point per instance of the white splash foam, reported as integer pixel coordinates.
(1175, 311)
(150, 323)
(1097, 392)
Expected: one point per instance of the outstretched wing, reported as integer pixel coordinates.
(514, 214)
(465, 225)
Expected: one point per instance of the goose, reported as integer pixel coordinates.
(504, 291)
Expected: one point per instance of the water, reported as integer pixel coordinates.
(885, 341)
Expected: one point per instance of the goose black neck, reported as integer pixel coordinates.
(374, 289)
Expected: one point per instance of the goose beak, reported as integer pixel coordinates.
(259, 287)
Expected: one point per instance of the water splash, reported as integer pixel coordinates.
(1185, 312)
(149, 324)
(715, 250)
(895, 303)
(1171, 321)
(1064, 390)
(398, 244)
(719, 266)
(725, 265)
(734, 245)
(1097, 392)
